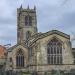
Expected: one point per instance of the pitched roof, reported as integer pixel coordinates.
(42, 35)
(22, 44)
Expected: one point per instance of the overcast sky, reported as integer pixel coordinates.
(51, 14)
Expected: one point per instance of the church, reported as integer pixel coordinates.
(39, 52)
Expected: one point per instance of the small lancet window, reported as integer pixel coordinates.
(28, 34)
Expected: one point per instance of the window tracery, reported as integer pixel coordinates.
(54, 52)
(20, 58)
(28, 20)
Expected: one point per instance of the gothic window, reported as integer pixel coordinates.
(28, 34)
(54, 52)
(20, 59)
(28, 20)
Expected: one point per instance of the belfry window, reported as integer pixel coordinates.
(20, 59)
(28, 20)
(54, 52)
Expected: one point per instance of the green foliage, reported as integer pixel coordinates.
(26, 73)
(57, 72)
(47, 73)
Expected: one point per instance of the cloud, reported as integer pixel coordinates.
(52, 14)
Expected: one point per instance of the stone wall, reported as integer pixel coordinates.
(41, 51)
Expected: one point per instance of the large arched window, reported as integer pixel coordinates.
(54, 52)
(20, 59)
(28, 20)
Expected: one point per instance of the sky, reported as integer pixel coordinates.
(51, 14)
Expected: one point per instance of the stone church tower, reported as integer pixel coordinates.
(26, 23)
